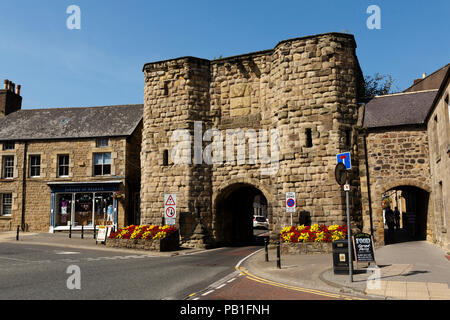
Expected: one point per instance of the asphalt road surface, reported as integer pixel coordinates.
(46, 272)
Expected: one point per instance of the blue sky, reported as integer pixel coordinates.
(101, 64)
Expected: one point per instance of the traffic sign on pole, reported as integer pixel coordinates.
(170, 208)
(345, 159)
(290, 201)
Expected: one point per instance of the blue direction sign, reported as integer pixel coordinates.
(345, 159)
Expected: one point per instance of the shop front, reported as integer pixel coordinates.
(83, 205)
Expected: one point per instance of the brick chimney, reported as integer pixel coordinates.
(10, 99)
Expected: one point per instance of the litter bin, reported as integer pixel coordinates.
(340, 257)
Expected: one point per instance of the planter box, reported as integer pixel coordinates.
(169, 243)
(306, 248)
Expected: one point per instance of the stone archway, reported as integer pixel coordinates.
(233, 212)
(412, 198)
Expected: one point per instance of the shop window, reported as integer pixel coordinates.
(308, 133)
(102, 164)
(6, 204)
(9, 145)
(35, 166)
(8, 167)
(63, 165)
(102, 142)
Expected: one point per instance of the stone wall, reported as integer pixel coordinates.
(439, 137)
(396, 157)
(306, 83)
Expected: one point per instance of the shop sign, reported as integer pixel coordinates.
(363, 247)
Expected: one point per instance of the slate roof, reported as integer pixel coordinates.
(398, 109)
(67, 123)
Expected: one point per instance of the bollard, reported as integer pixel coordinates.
(17, 236)
(82, 231)
(278, 256)
(266, 247)
(70, 231)
(95, 231)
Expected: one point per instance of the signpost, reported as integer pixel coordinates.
(290, 203)
(170, 208)
(344, 160)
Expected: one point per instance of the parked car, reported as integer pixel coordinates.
(260, 222)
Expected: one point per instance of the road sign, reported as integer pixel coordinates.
(170, 208)
(170, 212)
(340, 172)
(346, 187)
(345, 159)
(290, 201)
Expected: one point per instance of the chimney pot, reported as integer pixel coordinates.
(5, 84)
(18, 89)
(13, 87)
(424, 75)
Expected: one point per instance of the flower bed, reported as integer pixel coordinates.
(314, 233)
(153, 237)
(310, 239)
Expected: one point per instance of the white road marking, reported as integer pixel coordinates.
(206, 293)
(67, 252)
(221, 286)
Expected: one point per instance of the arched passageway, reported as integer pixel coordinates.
(235, 209)
(412, 206)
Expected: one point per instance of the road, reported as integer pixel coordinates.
(40, 272)
(46, 272)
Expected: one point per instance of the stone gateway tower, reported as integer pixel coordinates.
(221, 133)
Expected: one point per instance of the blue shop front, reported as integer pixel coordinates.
(83, 204)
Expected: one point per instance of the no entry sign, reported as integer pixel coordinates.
(170, 208)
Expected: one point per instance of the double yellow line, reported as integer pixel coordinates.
(244, 272)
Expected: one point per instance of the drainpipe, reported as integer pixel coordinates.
(24, 179)
(366, 159)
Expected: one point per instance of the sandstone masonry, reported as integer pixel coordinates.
(306, 88)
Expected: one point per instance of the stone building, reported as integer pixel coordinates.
(438, 129)
(394, 159)
(62, 166)
(218, 133)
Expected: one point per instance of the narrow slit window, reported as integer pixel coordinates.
(308, 133)
(348, 137)
(166, 158)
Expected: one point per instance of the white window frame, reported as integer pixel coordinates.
(33, 166)
(102, 164)
(5, 167)
(65, 165)
(2, 204)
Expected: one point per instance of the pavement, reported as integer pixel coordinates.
(414, 270)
